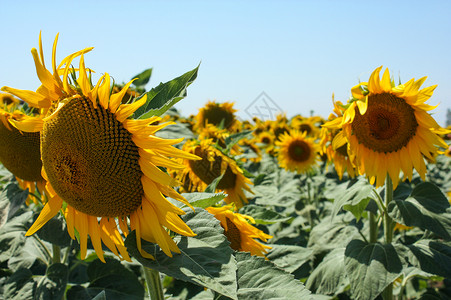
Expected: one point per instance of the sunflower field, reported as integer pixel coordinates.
(109, 192)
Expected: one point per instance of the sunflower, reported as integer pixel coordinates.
(306, 124)
(218, 114)
(296, 152)
(19, 151)
(339, 156)
(201, 173)
(102, 167)
(388, 128)
(241, 235)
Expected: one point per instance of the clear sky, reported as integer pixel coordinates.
(297, 52)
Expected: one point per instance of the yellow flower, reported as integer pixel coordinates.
(388, 128)
(217, 114)
(339, 156)
(306, 124)
(102, 167)
(201, 173)
(241, 235)
(19, 151)
(296, 152)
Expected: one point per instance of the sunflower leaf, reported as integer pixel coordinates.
(370, 268)
(165, 95)
(211, 188)
(53, 284)
(426, 207)
(329, 277)
(20, 285)
(205, 259)
(289, 257)
(11, 199)
(143, 78)
(261, 279)
(203, 200)
(263, 215)
(431, 257)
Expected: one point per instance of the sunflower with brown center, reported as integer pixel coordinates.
(305, 124)
(19, 151)
(101, 165)
(214, 163)
(296, 152)
(241, 235)
(388, 128)
(218, 114)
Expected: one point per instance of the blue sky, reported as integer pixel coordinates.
(297, 52)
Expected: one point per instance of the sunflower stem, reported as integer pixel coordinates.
(373, 228)
(56, 258)
(153, 282)
(388, 229)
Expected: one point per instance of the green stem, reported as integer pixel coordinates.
(153, 282)
(66, 254)
(388, 229)
(373, 228)
(56, 254)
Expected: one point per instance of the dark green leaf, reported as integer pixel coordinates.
(12, 236)
(432, 257)
(78, 292)
(203, 200)
(370, 268)
(53, 284)
(55, 232)
(233, 139)
(427, 207)
(260, 279)
(205, 259)
(112, 277)
(143, 77)
(165, 95)
(263, 215)
(20, 285)
(12, 198)
(101, 296)
(329, 277)
(289, 257)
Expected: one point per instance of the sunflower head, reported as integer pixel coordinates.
(218, 114)
(212, 165)
(388, 128)
(102, 166)
(297, 152)
(241, 235)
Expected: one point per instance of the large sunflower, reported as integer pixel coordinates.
(388, 128)
(201, 173)
(102, 167)
(296, 152)
(19, 151)
(241, 235)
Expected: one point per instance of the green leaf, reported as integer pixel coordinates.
(143, 78)
(55, 232)
(260, 279)
(12, 236)
(358, 209)
(356, 192)
(53, 284)
(233, 139)
(263, 215)
(371, 268)
(165, 95)
(175, 131)
(12, 198)
(203, 200)
(427, 207)
(205, 259)
(432, 257)
(329, 277)
(289, 257)
(112, 277)
(211, 188)
(20, 285)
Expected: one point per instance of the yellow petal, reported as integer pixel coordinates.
(94, 232)
(115, 99)
(49, 211)
(125, 110)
